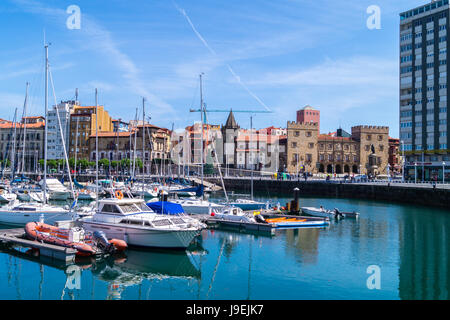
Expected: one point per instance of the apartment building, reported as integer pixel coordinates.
(424, 56)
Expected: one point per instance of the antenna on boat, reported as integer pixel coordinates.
(24, 126)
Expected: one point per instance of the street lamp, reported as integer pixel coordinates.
(388, 173)
(415, 172)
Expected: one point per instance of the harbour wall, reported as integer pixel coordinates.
(423, 195)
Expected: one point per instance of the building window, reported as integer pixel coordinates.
(369, 137)
(311, 145)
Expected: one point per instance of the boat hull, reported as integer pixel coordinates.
(317, 212)
(141, 237)
(249, 206)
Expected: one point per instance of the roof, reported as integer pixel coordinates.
(308, 107)
(329, 137)
(112, 134)
(231, 121)
(10, 125)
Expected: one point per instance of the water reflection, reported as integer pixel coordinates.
(119, 271)
(304, 244)
(424, 271)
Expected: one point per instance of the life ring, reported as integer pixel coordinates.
(119, 194)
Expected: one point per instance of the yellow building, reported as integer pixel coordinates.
(83, 124)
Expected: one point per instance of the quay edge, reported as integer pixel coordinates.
(417, 195)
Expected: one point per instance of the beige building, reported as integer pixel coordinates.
(302, 141)
(365, 150)
(34, 142)
(116, 146)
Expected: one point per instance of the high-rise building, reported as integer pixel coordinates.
(54, 141)
(424, 125)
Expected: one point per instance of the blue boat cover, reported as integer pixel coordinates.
(78, 185)
(164, 207)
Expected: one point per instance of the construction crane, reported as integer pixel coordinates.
(235, 111)
(204, 111)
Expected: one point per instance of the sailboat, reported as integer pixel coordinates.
(19, 214)
(134, 222)
(199, 205)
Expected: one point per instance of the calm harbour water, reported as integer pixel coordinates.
(408, 243)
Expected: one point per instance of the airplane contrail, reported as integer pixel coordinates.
(238, 79)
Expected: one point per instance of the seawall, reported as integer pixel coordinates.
(420, 195)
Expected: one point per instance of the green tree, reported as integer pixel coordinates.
(104, 162)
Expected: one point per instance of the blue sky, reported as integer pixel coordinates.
(254, 54)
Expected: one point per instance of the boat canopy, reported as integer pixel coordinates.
(164, 207)
(77, 184)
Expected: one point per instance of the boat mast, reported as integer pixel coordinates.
(13, 166)
(96, 148)
(46, 123)
(143, 145)
(202, 147)
(134, 147)
(24, 127)
(252, 163)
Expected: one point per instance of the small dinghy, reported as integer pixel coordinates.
(86, 244)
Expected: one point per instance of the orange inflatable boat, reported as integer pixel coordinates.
(85, 244)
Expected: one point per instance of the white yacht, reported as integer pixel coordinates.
(19, 214)
(236, 214)
(135, 223)
(248, 204)
(197, 206)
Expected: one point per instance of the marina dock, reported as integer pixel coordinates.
(17, 237)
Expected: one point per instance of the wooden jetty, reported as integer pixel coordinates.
(17, 237)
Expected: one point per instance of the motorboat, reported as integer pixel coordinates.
(236, 214)
(85, 244)
(135, 223)
(335, 213)
(197, 206)
(248, 204)
(19, 214)
(173, 209)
